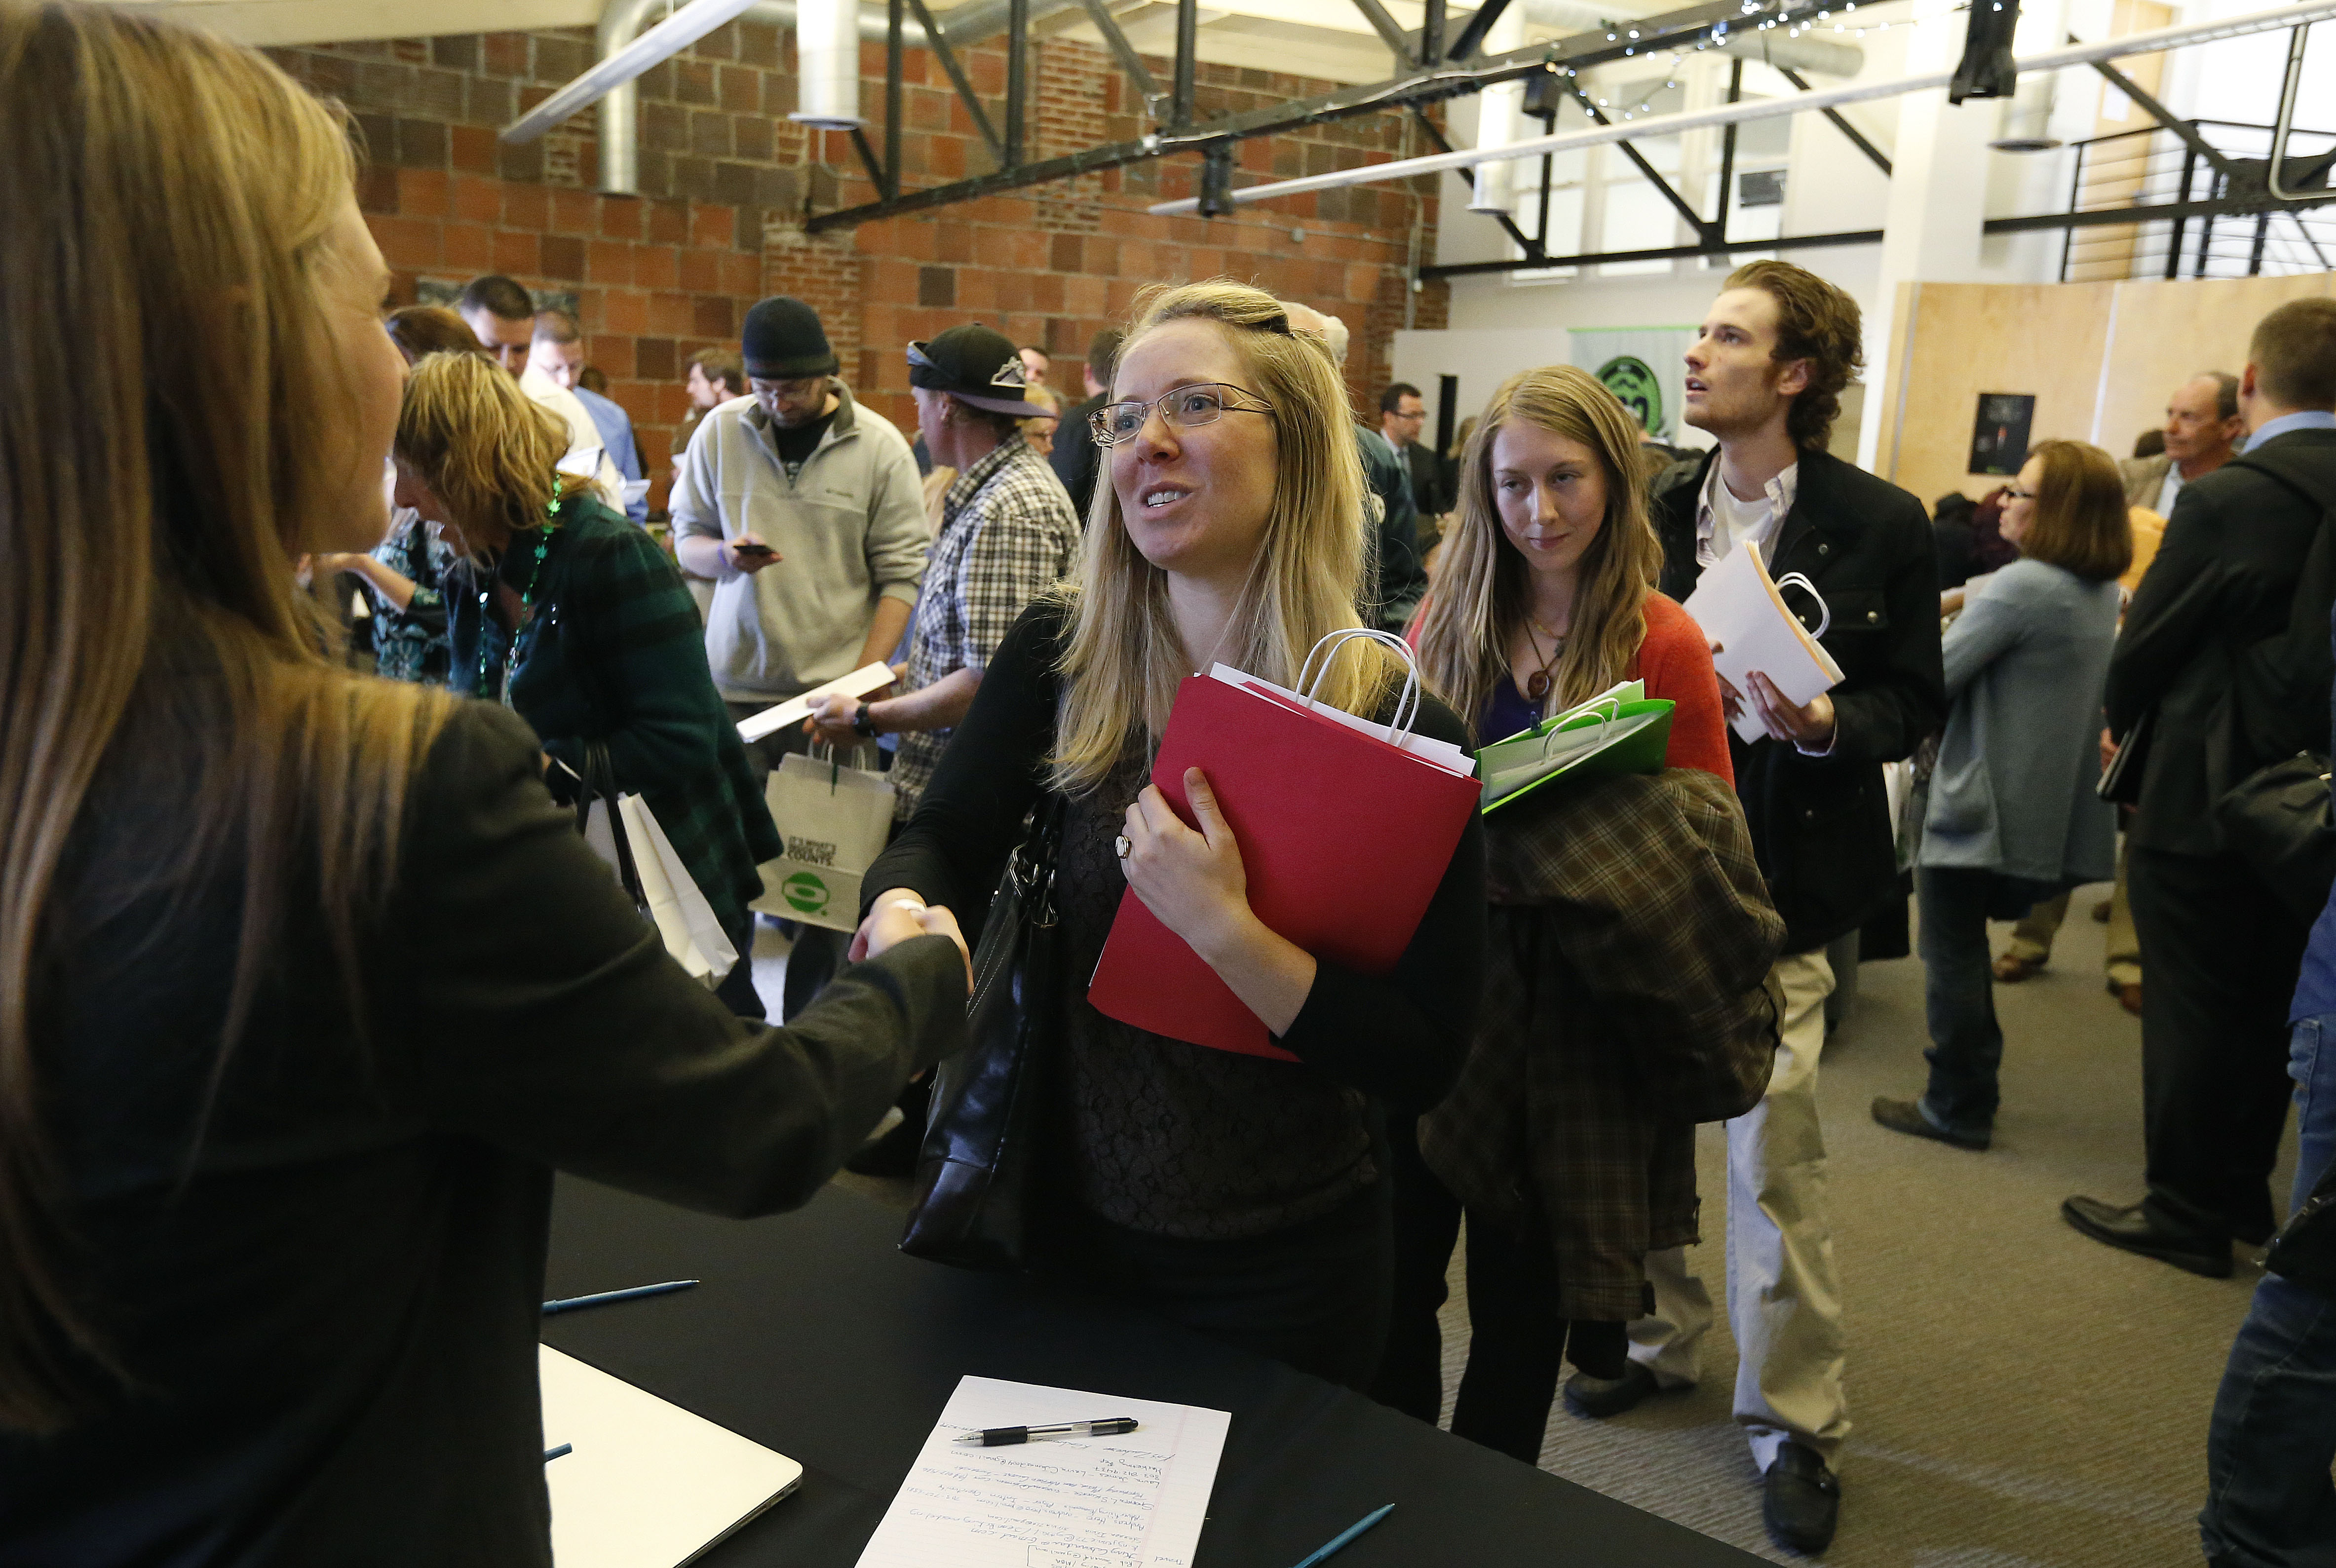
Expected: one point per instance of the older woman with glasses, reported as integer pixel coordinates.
(2013, 817)
(1242, 1195)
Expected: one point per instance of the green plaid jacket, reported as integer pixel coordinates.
(1625, 1000)
(615, 652)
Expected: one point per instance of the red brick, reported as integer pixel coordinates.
(669, 313)
(575, 212)
(406, 241)
(469, 248)
(712, 226)
(526, 206)
(473, 149)
(476, 199)
(656, 267)
(424, 192)
(516, 251)
(623, 217)
(669, 223)
(715, 317)
(609, 261)
(624, 312)
(742, 275)
(700, 273)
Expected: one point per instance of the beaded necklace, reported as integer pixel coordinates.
(479, 687)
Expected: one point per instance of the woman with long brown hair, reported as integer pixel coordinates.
(2013, 816)
(305, 984)
(1544, 599)
(1240, 1194)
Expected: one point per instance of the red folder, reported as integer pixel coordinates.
(1344, 837)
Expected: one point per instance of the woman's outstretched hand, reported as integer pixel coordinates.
(901, 915)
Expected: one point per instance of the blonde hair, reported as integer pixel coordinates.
(490, 450)
(1483, 591)
(169, 197)
(1123, 661)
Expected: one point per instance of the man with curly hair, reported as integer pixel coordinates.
(1765, 375)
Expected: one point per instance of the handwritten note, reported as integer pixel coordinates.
(1134, 1500)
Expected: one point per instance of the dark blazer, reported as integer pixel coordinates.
(2223, 577)
(1076, 458)
(1821, 825)
(1428, 492)
(325, 1279)
(1394, 581)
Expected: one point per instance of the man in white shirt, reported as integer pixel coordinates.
(2202, 431)
(503, 316)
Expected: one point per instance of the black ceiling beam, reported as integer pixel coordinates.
(868, 158)
(2183, 131)
(1017, 76)
(1472, 36)
(1389, 30)
(1856, 137)
(1681, 28)
(1130, 61)
(1188, 60)
(1442, 143)
(1696, 220)
(947, 57)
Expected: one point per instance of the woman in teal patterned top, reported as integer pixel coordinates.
(402, 575)
(563, 610)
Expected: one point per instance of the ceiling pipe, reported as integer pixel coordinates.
(2150, 42)
(827, 66)
(1499, 109)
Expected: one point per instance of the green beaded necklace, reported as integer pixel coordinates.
(526, 605)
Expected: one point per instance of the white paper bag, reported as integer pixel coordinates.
(834, 821)
(684, 919)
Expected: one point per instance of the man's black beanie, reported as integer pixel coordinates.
(783, 341)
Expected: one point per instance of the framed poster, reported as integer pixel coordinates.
(1999, 434)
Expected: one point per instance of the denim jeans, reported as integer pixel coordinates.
(2269, 1501)
(1955, 903)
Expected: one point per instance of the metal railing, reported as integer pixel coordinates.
(2155, 167)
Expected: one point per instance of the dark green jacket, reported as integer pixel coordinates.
(615, 653)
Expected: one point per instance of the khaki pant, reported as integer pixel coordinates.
(2031, 938)
(1784, 1301)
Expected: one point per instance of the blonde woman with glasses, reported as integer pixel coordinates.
(1242, 1195)
(306, 985)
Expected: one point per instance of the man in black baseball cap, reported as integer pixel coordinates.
(976, 366)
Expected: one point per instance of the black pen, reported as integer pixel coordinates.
(573, 1302)
(999, 1437)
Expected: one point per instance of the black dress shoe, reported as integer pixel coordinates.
(2131, 1228)
(1800, 1499)
(1599, 1398)
(1906, 1116)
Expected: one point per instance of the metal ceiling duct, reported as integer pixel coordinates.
(827, 64)
(2027, 116)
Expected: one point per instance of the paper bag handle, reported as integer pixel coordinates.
(1800, 581)
(1407, 707)
(1606, 709)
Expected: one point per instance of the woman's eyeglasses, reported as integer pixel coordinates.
(1185, 407)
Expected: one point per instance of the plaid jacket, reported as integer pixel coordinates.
(1008, 534)
(615, 653)
(1626, 1000)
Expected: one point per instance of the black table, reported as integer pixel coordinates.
(814, 1335)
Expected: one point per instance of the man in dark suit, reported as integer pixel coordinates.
(1765, 376)
(2221, 949)
(1403, 415)
(1075, 457)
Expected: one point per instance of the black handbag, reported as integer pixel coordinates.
(2277, 820)
(974, 1176)
(2120, 781)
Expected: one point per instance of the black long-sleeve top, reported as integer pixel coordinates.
(326, 1287)
(1164, 1135)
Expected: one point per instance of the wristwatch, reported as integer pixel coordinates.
(862, 722)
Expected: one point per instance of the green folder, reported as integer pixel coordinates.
(1610, 737)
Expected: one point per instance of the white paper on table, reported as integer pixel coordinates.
(868, 677)
(1739, 609)
(648, 1484)
(1437, 753)
(1136, 1500)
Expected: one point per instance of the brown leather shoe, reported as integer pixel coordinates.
(2011, 969)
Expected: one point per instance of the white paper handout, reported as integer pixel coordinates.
(1136, 1500)
(1437, 753)
(646, 1483)
(1739, 609)
(868, 677)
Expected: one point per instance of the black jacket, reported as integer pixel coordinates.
(1397, 582)
(324, 1267)
(1821, 825)
(2223, 577)
(1076, 458)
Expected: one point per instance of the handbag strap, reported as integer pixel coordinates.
(599, 783)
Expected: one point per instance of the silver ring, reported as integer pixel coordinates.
(1121, 846)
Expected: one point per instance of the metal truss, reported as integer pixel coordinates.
(1435, 74)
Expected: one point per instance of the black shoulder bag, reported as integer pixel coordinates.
(598, 782)
(975, 1173)
(2277, 818)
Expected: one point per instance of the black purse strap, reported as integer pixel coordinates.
(598, 782)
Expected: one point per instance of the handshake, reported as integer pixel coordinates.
(901, 915)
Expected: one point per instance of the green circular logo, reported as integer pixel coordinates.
(1628, 379)
(805, 892)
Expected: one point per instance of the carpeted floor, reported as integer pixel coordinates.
(2021, 1395)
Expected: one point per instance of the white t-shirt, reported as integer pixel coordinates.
(1723, 521)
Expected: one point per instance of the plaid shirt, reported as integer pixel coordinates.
(1625, 1000)
(615, 653)
(1008, 534)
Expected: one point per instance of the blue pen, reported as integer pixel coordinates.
(572, 1303)
(1348, 1534)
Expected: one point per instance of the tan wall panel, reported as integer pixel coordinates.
(2168, 332)
(2044, 338)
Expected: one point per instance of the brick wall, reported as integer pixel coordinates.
(726, 181)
